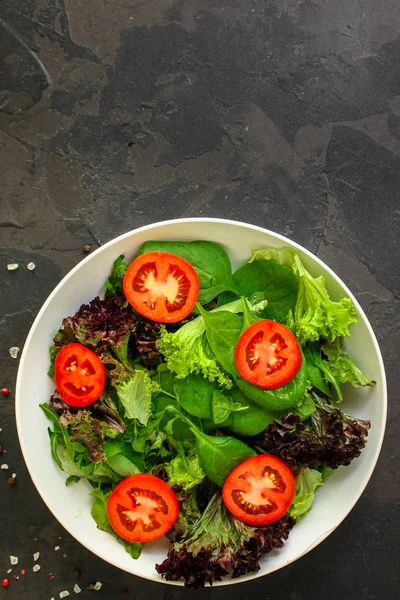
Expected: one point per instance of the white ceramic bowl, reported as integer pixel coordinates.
(71, 505)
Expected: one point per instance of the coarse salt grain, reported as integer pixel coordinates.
(9, 570)
(77, 589)
(14, 475)
(56, 548)
(36, 568)
(12, 266)
(36, 556)
(14, 351)
(64, 594)
(14, 560)
(4, 466)
(97, 586)
(30, 266)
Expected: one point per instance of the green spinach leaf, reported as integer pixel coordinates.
(222, 330)
(276, 282)
(210, 261)
(250, 421)
(122, 465)
(195, 395)
(279, 399)
(222, 406)
(219, 455)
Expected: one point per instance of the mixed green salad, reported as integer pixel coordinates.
(166, 402)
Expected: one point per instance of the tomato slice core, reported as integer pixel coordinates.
(142, 508)
(161, 286)
(268, 354)
(260, 490)
(80, 375)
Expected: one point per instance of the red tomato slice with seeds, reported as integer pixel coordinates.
(161, 286)
(260, 490)
(142, 508)
(80, 375)
(268, 354)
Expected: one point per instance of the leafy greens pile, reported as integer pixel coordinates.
(175, 406)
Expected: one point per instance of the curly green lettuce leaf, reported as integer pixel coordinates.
(193, 356)
(307, 480)
(135, 396)
(315, 315)
(188, 351)
(343, 366)
(185, 471)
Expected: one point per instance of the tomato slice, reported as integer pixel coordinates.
(268, 354)
(142, 508)
(80, 375)
(259, 490)
(161, 286)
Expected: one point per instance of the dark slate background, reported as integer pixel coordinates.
(282, 113)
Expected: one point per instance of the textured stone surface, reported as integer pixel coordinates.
(282, 113)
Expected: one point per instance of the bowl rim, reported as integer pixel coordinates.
(149, 227)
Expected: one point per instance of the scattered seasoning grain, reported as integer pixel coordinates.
(1, 449)
(23, 571)
(5, 391)
(11, 481)
(36, 568)
(14, 351)
(12, 266)
(76, 573)
(64, 594)
(14, 560)
(86, 248)
(36, 556)
(4, 466)
(31, 266)
(9, 570)
(90, 586)
(59, 537)
(56, 548)
(16, 576)
(5, 582)
(97, 586)
(51, 576)
(35, 539)
(77, 589)
(65, 555)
